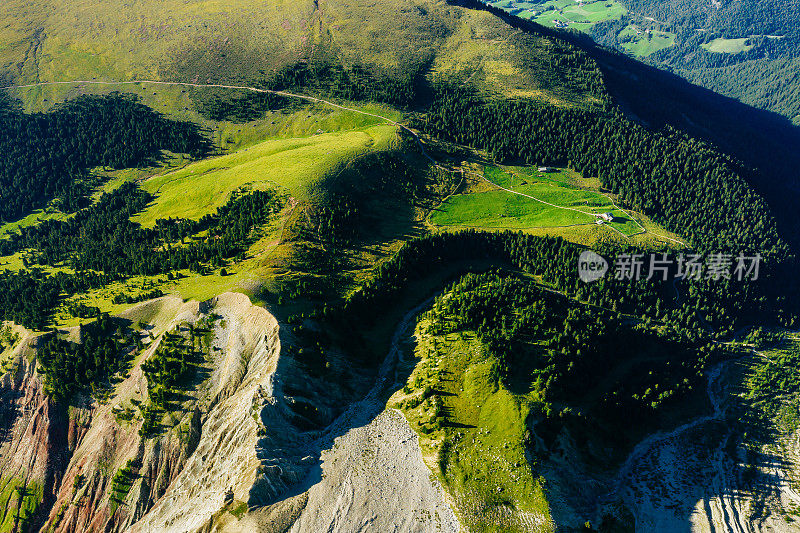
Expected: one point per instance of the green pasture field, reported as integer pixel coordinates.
(643, 45)
(200, 188)
(727, 46)
(578, 15)
(499, 209)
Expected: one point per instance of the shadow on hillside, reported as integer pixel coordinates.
(715, 491)
(759, 139)
(723, 475)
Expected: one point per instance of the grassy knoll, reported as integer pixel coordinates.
(643, 44)
(284, 148)
(201, 187)
(728, 46)
(483, 206)
(472, 432)
(292, 123)
(513, 64)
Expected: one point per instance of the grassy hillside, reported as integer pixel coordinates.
(473, 433)
(580, 16)
(211, 41)
(508, 363)
(497, 401)
(48, 39)
(18, 503)
(287, 148)
(200, 188)
(575, 202)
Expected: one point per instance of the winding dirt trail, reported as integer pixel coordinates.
(313, 99)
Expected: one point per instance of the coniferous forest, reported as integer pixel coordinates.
(476, 272)
(69, 367)
(102, 238)
(671, 177)
(48, 156)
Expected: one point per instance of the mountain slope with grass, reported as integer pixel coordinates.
(349, 299)
(237, 42)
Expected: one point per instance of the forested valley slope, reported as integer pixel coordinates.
(351, 301)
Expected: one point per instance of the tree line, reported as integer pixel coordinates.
(29, 297)
(68, 368)
(44, 156)
(103, 237)
(689, 306)
(101, 244)
(563, 351)
(683, 184)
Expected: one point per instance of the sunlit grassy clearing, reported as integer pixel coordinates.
(33, 219)
(202, 187)
(498, 209)
(727, 46)
(644, 44)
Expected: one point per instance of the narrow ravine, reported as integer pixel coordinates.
(691, 478)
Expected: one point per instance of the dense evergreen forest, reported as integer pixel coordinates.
(564, 351)
(69, 368)
(236, 105)
(683, 184)
(45, 156)
(762, 65)
(103, 238)
(699, 307)
(765, 143)
(325, 77)
(29, 297)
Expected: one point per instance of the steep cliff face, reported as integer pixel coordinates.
(37, 440)
(234, 452)
(91, 469)
(224, 462)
